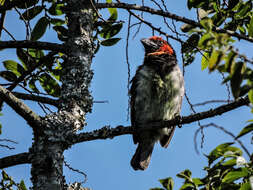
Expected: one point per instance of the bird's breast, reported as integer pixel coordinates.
(157, 97)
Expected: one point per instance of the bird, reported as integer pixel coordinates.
(156, 94)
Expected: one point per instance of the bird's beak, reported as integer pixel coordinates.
(147, 43)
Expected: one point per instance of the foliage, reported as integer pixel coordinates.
(41, 72)
(218, 51)
(8, 183)
(30, 60)
(226, 169)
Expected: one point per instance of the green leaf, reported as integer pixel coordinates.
(250, 94)
(195, 3)
(109, 31)
(206, 40)
(156, 188)
(191, 43)
(229, 60)
(222, 150)
(35, 53)
(2, 2)
(230, 162)
(197, 181)
(215, 59)
(245, 10)
(0, 128)
(23, 57)
(5, 175)
(56, 73)
(187, 186)
(186, 174)
(245, 186)
(39, 29)
(13, 66)
(234, 175)
(250, 28)
(242, 29)
(205, 61)
(245, 130)
(167, 183)
(49, 85)
(62, 32)
(8, 75)
(22, 185)
(218, 19)
(110, 42)
(237, 70)
(207, 23)
(31, 13)
(221, 68)
(113, 12)
(57, 21)
(56, 9)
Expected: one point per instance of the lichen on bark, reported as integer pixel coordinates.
(75, 100)
(77, 73)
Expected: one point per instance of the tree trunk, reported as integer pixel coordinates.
(75, 101)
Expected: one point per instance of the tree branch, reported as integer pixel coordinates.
(30, 70)
(169, 15)
(107, 132)
(22, 158)
(154, 28)
(33, 44)
(20, 108)
(41, 99)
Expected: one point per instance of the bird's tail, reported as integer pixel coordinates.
(142, 156)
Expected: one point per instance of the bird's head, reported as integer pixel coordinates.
(156, 46)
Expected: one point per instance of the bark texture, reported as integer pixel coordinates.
(75, 101)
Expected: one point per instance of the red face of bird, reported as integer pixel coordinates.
(155, 45)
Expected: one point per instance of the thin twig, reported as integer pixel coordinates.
(128, 65)
(210, 102)
(12, 37)
(155, 28)
(76, 170)
(201, 127)
(95, 9)
(227, 132)
(3, 14)
(8, 140)
(27, 24)
(6, 146)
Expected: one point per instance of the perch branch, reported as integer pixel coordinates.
(107, 132)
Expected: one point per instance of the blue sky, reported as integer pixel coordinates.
(107, 162)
